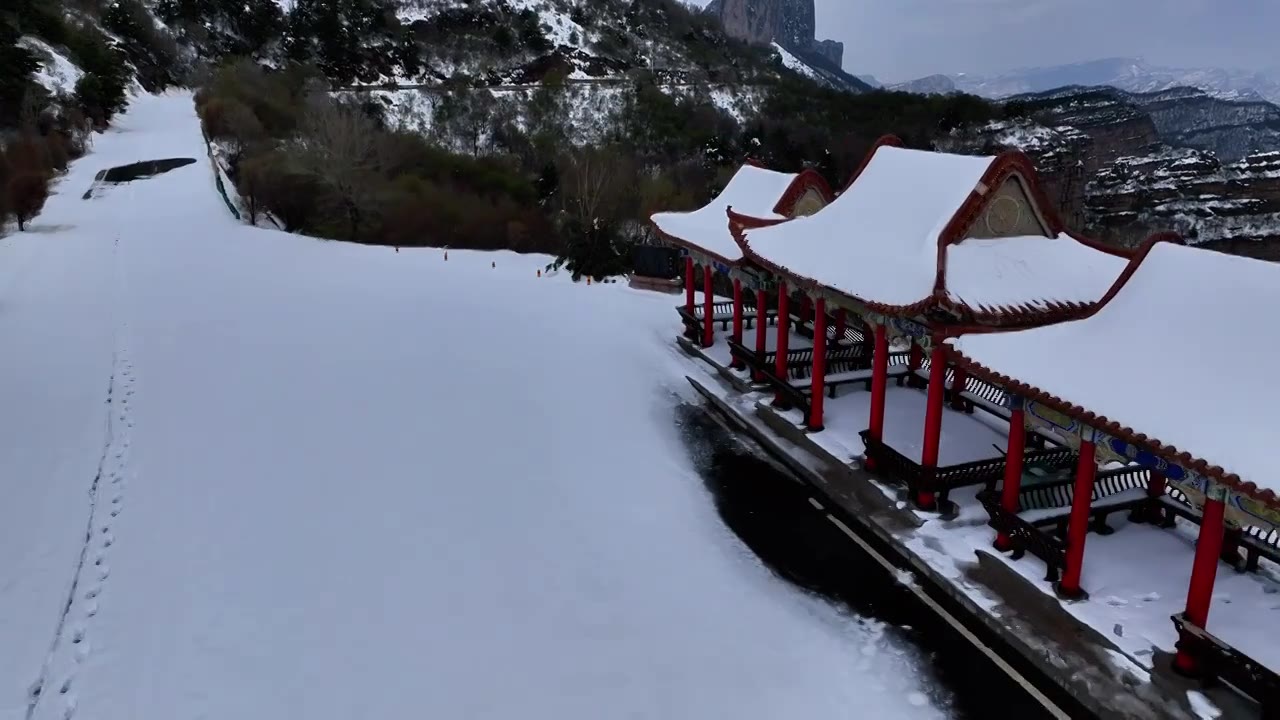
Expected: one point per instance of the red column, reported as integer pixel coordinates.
(762, 325)
(737, 310)
(1204, 571)
(784, 330)
(1013, 465)
(933, 416)
(915, 358)
(960, 378)
(1078, 522)
(708, 301)
(737, 318)
(840, 324)
(1156, 486)
(688, 283)
(879, 385)
(819, 363)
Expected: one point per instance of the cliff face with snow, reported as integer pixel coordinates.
(791, 23)
(1229, 206)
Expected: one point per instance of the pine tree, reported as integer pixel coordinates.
(15, 80)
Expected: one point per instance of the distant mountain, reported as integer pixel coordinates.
(1132, 74)
(931, 85)
(1181, 117)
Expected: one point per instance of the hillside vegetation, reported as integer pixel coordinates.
(559, 164)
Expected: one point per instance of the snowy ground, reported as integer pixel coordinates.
(316, 482)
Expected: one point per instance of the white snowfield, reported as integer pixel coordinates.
(751, 191)
(342, 482)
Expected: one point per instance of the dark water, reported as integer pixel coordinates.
(770, 511)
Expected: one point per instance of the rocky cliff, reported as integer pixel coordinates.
(1227, 206)
(1121, 166)
(790, 23)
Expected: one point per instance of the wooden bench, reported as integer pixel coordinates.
(978, 394)
(722, 313)
(1118, 490)
(1044, 509)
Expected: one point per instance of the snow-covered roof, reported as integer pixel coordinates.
(1148, 360)
(879, 240)
(1028, 272)
(896, 236)
(752, 191)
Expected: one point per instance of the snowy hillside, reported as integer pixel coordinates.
(57, 73)
(256, 475)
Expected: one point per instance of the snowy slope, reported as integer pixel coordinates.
(345, 482)
(57, 73)
(55, 285)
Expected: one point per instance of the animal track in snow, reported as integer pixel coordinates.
(72, 644)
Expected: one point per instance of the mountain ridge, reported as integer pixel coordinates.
(1132, 74)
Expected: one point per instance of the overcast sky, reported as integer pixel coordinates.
(898, 40)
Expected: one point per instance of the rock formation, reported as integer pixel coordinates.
(790, 23)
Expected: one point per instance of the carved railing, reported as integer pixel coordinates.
(1217, 660)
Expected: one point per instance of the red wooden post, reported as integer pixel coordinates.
(933, 418)
(762, 324)
(1013, 465)
(737, 310)
(1204, 571)
(879, 386)
(737, 319)
(1156, 488)
(708, 301)
(1078, 521)
(959, 381)
(915, 359)
(840, 325)
(784, 330)
(819, 363)
(688, 283)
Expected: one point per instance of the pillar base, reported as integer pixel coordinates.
(1066, 593)
(1185, 665)
(1002, 543)
(812, 429)
(926, 501)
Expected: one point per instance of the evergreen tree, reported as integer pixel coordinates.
(15, 80)
(350, 39)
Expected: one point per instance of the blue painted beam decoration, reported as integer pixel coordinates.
(1242, 510)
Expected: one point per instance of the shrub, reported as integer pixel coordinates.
(27, 192)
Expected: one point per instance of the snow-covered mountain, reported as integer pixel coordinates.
(1131, 74)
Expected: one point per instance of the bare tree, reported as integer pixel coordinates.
(339, 147)
(595, 181)
(597, 186)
